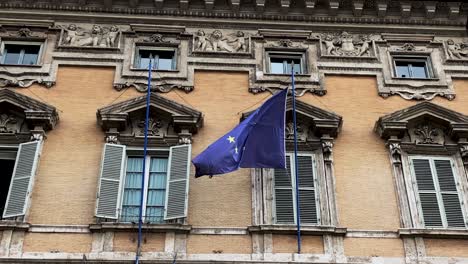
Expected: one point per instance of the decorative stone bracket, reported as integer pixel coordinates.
(170, 123)
(23, 119)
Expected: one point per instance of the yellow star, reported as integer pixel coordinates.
(231, 139)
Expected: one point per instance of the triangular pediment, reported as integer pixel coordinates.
(396, 124)
(317, 120)
(119, 116)
(15, 106)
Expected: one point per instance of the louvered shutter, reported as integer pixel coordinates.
(284, 201)
(112, 169)
(177, 182)
(307, 200)
(449, 193)
(22, 179)
(427, 193)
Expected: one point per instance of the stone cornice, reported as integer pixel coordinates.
(414, 13)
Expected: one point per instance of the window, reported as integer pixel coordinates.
(17, 175)
(163, 59)
(154, 192)
(437, 191)
(414, 68)
(285, 191)
(282, 63)
(21, 54)
(165, 194)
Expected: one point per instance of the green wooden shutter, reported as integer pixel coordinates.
(177, 182)
(22, 179)
(284, 201)
(112, 170)
(307, 199)
(427, 193)
(449, 193)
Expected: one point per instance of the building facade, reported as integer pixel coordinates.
(382, 130)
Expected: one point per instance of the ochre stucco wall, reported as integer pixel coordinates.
(221, 244)
(127, 242)
(66, 183)
(57, 243)
(288, 244)
(446, 247)
(377, 247)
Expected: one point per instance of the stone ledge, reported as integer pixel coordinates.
(292, 229)
(152, 228)
(13, 225)
(433, 233)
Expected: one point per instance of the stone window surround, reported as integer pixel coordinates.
(401, 147)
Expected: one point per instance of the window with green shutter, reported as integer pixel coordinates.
(438, 192)
(285, 191)
(165, 189)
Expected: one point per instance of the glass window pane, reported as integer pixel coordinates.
(276, 66)
(402, 69)
(156, 198)
(155, 214)
(164, 64)
(31, 54)
(418, 70)
(12, 54)
(297, 66)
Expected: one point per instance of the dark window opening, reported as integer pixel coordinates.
(6, 171)
(21, 54)
(417, 69)
(162, 59)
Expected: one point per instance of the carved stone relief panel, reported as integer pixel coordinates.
(456, 50)
(345, 44)
(427, 133)
(92, 36)
(221, 41)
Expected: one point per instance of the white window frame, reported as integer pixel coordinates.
(293, 184)
(136, 57)
(438, 192)
(22, 43)
(153, 153)
(407, 58)
(285, 55)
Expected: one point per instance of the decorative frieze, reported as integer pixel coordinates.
(345, 44)
(220, 41)
(96, 36)
(457, 50)
(8, 123)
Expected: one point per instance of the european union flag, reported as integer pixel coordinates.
(257, 142)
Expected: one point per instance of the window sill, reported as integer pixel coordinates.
(152, 228)
(292, 229)
(416, 79)
(433, 233)
(13, 225)
(22, 65)
(286, 75)
(154, 70)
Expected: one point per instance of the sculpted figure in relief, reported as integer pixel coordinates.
(457, 51)
(96, 37)
(216, 41)
(345, 44)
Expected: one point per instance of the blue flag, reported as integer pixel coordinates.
(257, 142)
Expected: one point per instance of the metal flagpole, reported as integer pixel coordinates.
(145, 145)
(298, 209)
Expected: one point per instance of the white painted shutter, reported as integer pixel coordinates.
(22, 179)
(449, 193)
(427, 193)
(284, 201)
(178, 182)
(307, 197)
(112, 170)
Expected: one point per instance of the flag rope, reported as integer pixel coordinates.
(145, 146)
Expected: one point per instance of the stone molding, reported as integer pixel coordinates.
(172, 124)
(23, 118)
(305, 10)
(348, 53)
